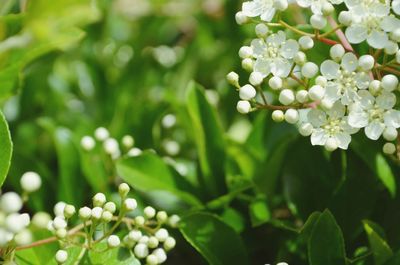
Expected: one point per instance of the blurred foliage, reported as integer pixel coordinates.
(250, 191)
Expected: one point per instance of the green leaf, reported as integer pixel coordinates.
(148, 172)
(216, 241)
(116, 256)
(379, 247)
(208, 135)
(5, 149)
(259, 212)
(326, 244)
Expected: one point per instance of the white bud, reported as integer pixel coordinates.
(61, 233)
(130, 204)
(389, 82)
(15, 222)
(99, 199)
(149, 212)
(345, 18)
(300, 58)
(151, 260)
(59, 208)
(245, 52)
(395, 35)
(139, 220)
(173, 220)
(88, 143)
(10, 202)
(316, 92)
(111, 147)
(261, 30)
(41, 219)
(24, 237)
(281, 5)
(161, 234)
(61, 256)
(153, 242)
(162, 216)
(336, 52)
(30, 181)
(309, 70)
(110, 207)
(247, 92)
(59, 223)
(160, 254)
(327, 9)
(390, 133)
(96, 213)
(248, 64)
(123, 189)
(141, 250)
(366, 62)
(374, 87)
(241, 18)
(389, 148)
(256, 78)
(306, 129)
(113, 241)
(318, 21)
(291, 116)
(85, 213)
(106, 216)
(169, 120)
(101, 134)
(327, 103)
(302, 96)
(278, 116)
(243, 106)
(233, 78)
(331, 144)
(133, 152)
(306, 42)
(69, 211)
(321, 81)
(169, 243)
(128, 141)
(135, 235)
(275, 82)
(286, 97)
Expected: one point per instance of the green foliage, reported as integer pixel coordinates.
(5, 149)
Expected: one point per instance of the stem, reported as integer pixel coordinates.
(300, 32)
(340, 35)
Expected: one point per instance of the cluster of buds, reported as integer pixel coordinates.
(14, 226)
(110, 145)
(145, 234)
(331, 100)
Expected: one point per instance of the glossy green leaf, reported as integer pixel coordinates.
(208, 135)
(216, 241)
(326, 244)
(116, 256)
(379, 247)
(5, 149)
(148, 172)
(259, 211)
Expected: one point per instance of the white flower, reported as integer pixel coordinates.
(274, 54)
(330, 126)
(396, 6)
(30, 181)
(317, 5)
(10, 202)
(375, 114)
(263, 8)
(344, 79)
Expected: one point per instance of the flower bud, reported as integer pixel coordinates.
(321, 81)
(128, 141)
(318, 21)
(306, 129)
(345, 18)
(389, 82)
(130, 204)
(139, 220)
(261, 30)
(327, 9)
(162, 216)
(241, 18)
(30, 181)
(286, 97)
(275, 82)
(10, 202)
(389, 148)
(390, 134)
(106, 216)
(59, 208)
(96, 213)
(152, 242)
(391, 47)
(85, 213)
(69, 211)
(243, 107)
(61, 256)
(309, 70)
(245, 52)
(59, 223)
(61, 233)
(15, 222)
(101, 133)
(169, 243)
(300, 58)
(160, 254)
(247, 92)
(173, 220)
(149, 212)
(256, 78)
(306, 42)
(302, 96)
(141, 250)
(233, 79)
(135, 235)
(395, 35)
(291, 116)
(336, 52)
(110, 207)
(41, 219)
(281, 5)
(111, 147)
(24, 237)
(374, 87)
(161, 234)
(316, 92)
(247, 64)
(331, 144)
(88, 143)
(151, 260)
(123, 189)
(99, 199)
(133, 152)
(113, 241)
(278, 116)
(366, 62)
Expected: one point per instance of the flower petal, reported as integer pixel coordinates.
(330, 69)
(343, 140)
(356, 33)
(319, 137)
(349, 62)
(392, 118)
(377, 39)
(374, 130)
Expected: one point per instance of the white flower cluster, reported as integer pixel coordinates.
(14, 225)
(109, 144)
(332, 100)
(146, 237)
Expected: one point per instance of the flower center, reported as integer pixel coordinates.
(347, 80)
(376, 113)
(332, 127)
